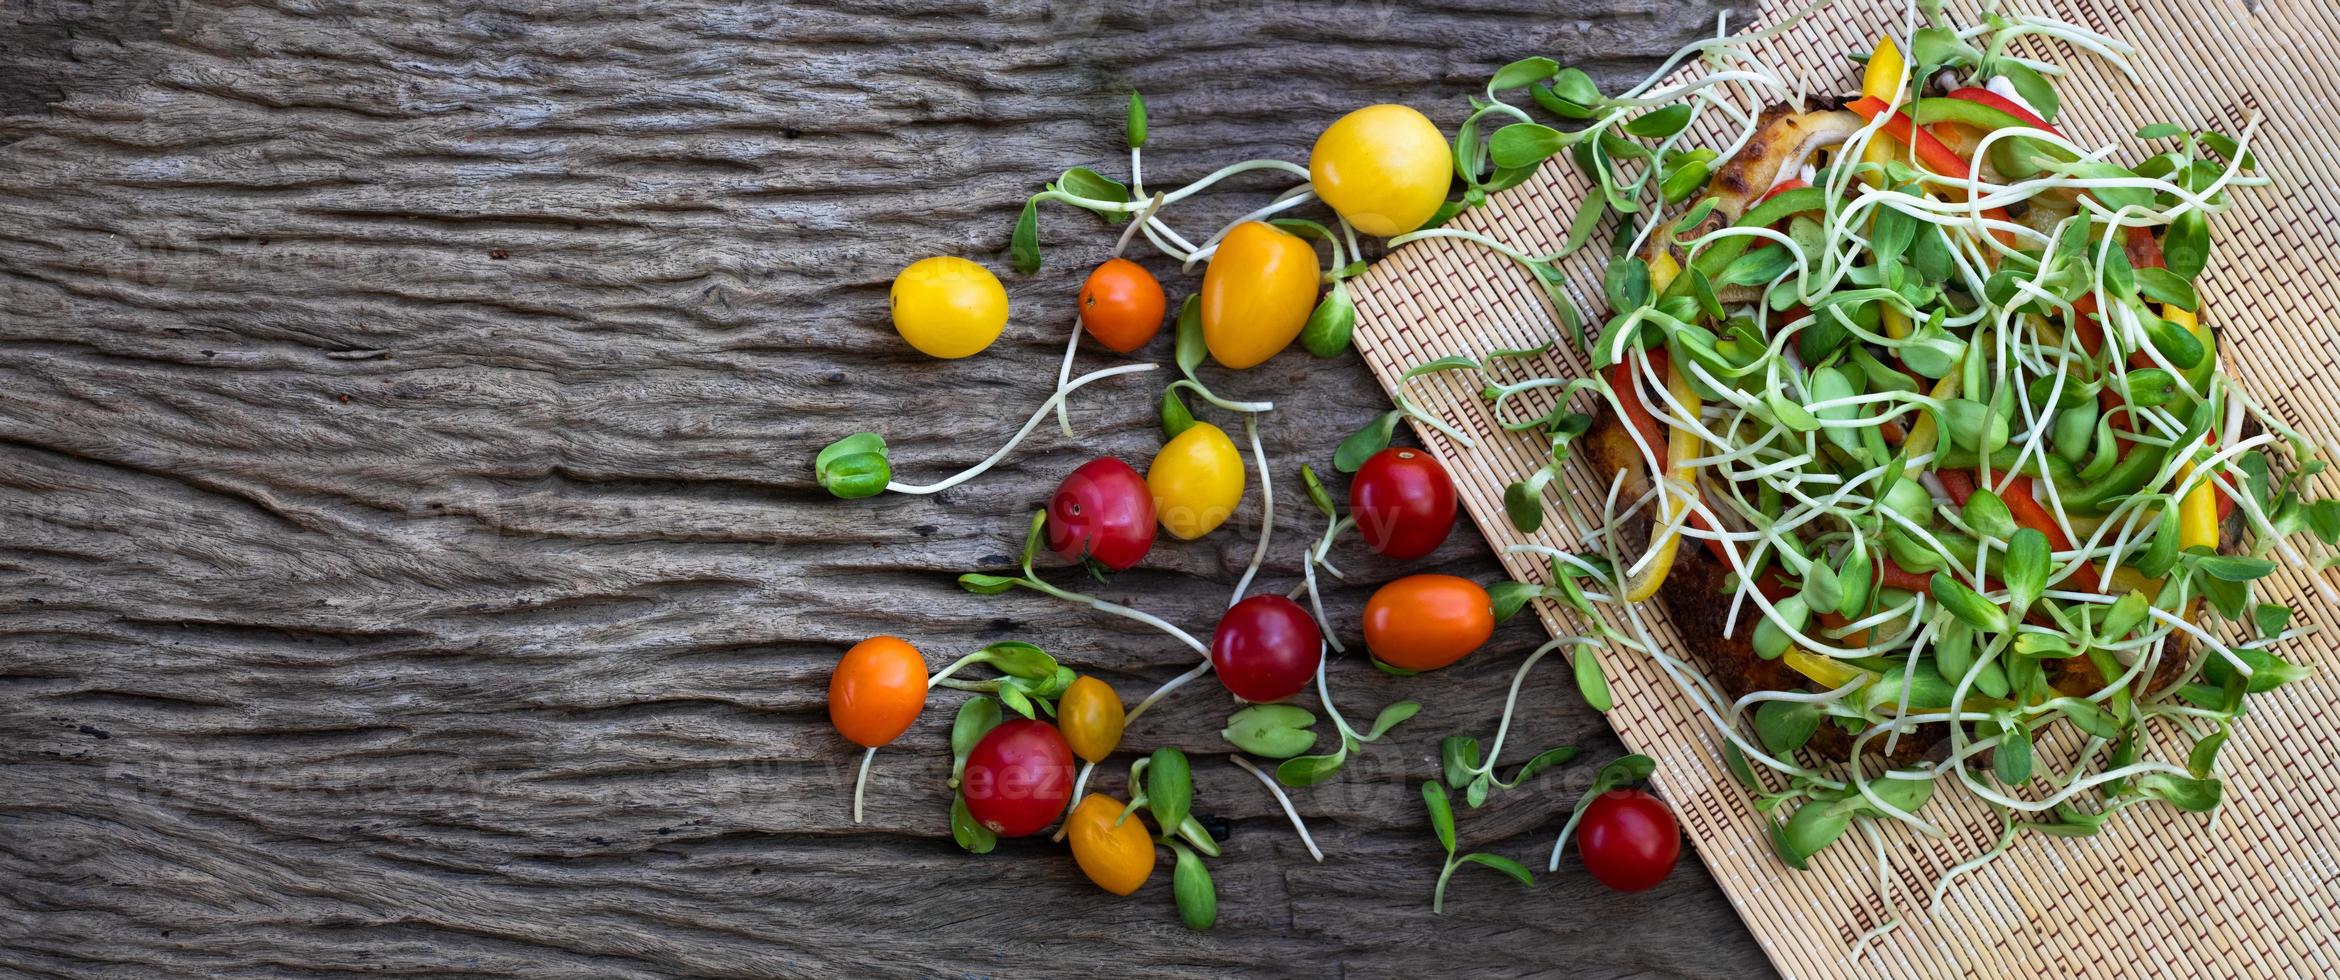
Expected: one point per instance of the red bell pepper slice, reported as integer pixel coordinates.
(1792, 183)
(1960, 483)
(1932, 152)
(1627, 385)
(1936, 155)
(2029, 513)
(1984, 96)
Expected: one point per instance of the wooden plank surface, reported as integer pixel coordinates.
(409, 561)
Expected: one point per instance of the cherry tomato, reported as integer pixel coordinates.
(1018, 777)
(1103, 512)
(1424, 622)
(1383, 167)
(1090, 716)
(1266, 648)
(1629, 840)
(1118, 859)
(1196, 481)
(1257, 293)
(1122, 305)
(877, 691)
(1403, 502)
(947, 306)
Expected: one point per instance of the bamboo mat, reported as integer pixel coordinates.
(2251, 892)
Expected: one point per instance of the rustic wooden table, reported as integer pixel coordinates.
(409, 558)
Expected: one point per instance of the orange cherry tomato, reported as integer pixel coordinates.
(1090, 716)
(1424, 622)
(878, 690)
(1122, 305)
(1118, 859)
(1257, 293)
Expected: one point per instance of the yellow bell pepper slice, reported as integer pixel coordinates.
(1882, 80)
(2198, 509)
(1681, 447)
(1828, 672)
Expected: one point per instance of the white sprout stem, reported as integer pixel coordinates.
(1117, 609)
(1511, 700)
(1267, 510)
(1168, 686)
(1080, 784)
(861, 781)
(1324, 694)
(1286, 802)
(1053, 400)
(1072, 350)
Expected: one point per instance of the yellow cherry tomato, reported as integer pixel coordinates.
(1118, 859)
(1196, 481)
(948, 307)
(1257, 293)
(1386, 168)
(1090, 716)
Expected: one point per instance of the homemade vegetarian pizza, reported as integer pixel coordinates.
(1911, 415)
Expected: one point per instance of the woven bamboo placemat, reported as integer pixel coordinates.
(2254, 891)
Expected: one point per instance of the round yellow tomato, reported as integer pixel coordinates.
(1090, 715)
(947, 306)
(1386, 168)
(1118, 859)
(1257, 293)
(1196, 481)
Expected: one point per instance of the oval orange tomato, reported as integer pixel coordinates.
(1119, 859)
(877, 691)
(1091, 717)
(1257, 293)
(1424, 622)
(1122, 305)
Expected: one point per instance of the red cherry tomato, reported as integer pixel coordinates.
(1018, 777)
(1102, 511)
(1629, 840)
(1266, 648)
(1403, 502)
(1122, 305)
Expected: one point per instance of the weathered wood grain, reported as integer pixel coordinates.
(409, 559)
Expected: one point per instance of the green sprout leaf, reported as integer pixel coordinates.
(1176, 417)
(1024, 245)
(1363, 443)
(1317, 493)
(1191, 349)
(1136, 128)
(1517, 871)
(1169, 788)
(1309, 770)
(1391, 717)
(976, 717)
(970, 835)
(1441, 813)
(853, 467)
(1332, 324)
(1271, 731)
(1509, 598)
(982, 584)
(1190, 887)
(1659, 123)
(1522, 73)
(1591, 684)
